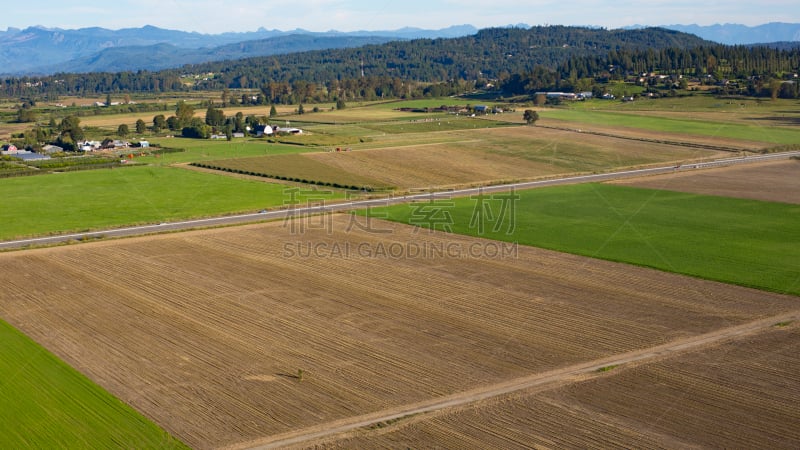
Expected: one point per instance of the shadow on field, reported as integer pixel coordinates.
(288, 375)
(781, 120)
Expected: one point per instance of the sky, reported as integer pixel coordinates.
(213, 17)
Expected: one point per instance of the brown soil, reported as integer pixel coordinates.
(205, 332)
(775, 181)
(735, 394)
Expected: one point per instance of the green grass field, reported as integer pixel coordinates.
(744, 242)
(44, 403)
(99, 199)
(696, 102)
(204, 150)
(719, 128)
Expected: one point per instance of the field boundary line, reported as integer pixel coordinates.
(541, 380)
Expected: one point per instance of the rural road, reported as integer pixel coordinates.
(542, 380)
(363, 204)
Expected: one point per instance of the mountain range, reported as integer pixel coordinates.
(734, 34)
(40, 50)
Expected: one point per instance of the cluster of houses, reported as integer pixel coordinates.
(85, 146)
(262, 130)
(93, 146)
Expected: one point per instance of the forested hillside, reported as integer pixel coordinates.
(517, 60)
(487, 54)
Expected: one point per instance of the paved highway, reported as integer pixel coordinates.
(363, 204)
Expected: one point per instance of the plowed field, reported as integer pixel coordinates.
(738, 394)
(205, 332)
(774, 181)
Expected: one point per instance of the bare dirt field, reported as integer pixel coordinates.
(502, 154)
(736, 394)
(775, 181)
(207, 332)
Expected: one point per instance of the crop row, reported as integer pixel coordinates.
(285, 178)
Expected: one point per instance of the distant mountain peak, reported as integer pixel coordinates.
(738, 34)
(38, 49)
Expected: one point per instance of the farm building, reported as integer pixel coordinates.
(31, 156)
(52, 149)
(288, 130)
(26, 155)
(264, 130)
(10, 149)
(90, 146)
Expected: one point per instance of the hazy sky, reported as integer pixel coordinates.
(349, 15)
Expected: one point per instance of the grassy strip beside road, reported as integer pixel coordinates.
(745, 242)
(78, 201)
(44, 403)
